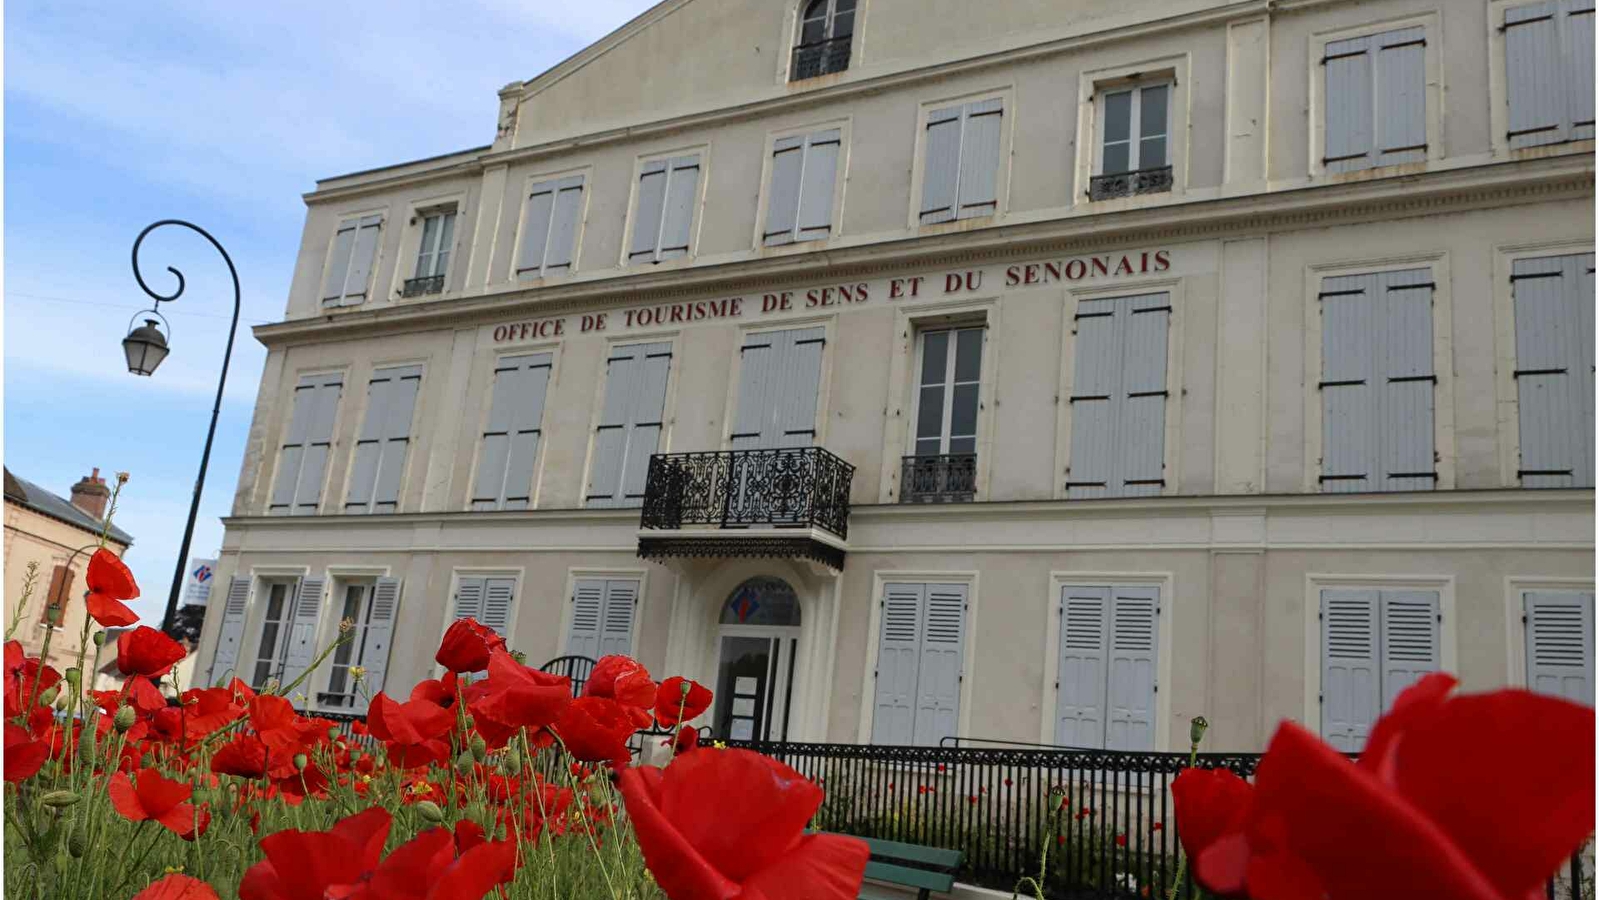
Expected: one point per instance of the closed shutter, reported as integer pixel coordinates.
(301, 649)
(562, 252)
(1348, 396)
(1576, 45)
(302, 460)
(374, 655)
(783, 197)
(231, 634)
(469, 598)
(1534, 84)
(1118, 444)
(938, 683)
(816, 186)
(1130, 685)
(616, 625)
(550, 230)
(1404, 335)
(1410, 646)
(1096, 382)
(1560, 644)
(511, 437)
(56, 598)
(677, 220)
(385, 435)
(339, 262)
(588, 609)
(647, 212)
(1348, 67)
(756, 379)
(941, 166)
(1401, 96)
(498, 595)
(1554, 315)
(1350, 695)
(354, 268)
(779, 378)
(979, 159)
(898, 662)
(630, 423)
(1080, 696)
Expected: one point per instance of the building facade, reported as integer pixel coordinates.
(904, 369)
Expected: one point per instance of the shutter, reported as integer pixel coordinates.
(616, 627)
(644, 420)
(1080, 698)
(1139, 449)
(339, 262)
(1135, 618)
(318, 445)
(1348, 397)
(396, 434)
(647, 213)
(816, 188)
(678, 219)
(979, 159)
(797, 383)
(1401, 96)
(61, 579)
(1577, 45)
(898, 656)
(1409, 640)
(1350, 700)
(1560, 641)
(302, 638)
(938, 682)
(782, 206)
(754, 381)
(1096, 387)
(498, 594)
(1349, 105)
(533, 382)
(536, 230)
(469, 598)
(292, 452)
(1534, 86)
(588, 607)
(941, 165)
(558, 258)
(231, 634)
(374, 654)
(1554, 303)
(622, 381)
(369, 444)
(1404, 335)
(362, 259)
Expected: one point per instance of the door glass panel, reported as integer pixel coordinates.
(743, 681)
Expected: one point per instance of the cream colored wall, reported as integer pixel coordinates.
(31, 537)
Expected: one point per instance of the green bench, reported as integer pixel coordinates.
(926, 869)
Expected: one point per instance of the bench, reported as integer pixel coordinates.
(925, 869)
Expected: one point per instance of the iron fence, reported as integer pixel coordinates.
(800, 486)
(417, 287)
(945, 478)
(1154, 180)
(820, 58)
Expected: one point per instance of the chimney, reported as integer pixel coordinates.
(91, 494)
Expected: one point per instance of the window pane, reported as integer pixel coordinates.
(843, 24)
(963, 445)
(934, 347)
(1152, 115)
(963, 418)
(1118, 115)
(1115, 159)
(815, 24)
(927, 446)
(930, 412)
(1152, 153)
(969, 354)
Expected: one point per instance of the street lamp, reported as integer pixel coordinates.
(145, 347)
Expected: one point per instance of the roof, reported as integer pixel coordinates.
(25, 493)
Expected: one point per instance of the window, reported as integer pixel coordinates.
(1560, 643)
(960, 178)
(1135, 128)
(355, 249)
(602, 617)
(630, 423)
(273, 645)
(1554, 315)
(487, 599)
(549, 230)
(1549, 72)
(799, 204)
(385, 435)
(920, 643)
(369, 605)
(433, 254)
(944, 466)
(663, 215)
(1118, 399)
(231, 634)
(824, 38)
(303, 458)
(1109, 637)
(511, 437)
(1376, 100)
(59, 595)
(1374, 644)
(1377, 382)
(779, 380)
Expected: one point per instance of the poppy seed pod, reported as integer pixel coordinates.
(467, 723)
(48, 695)
(124, 718)
(78, 840)
(59, 799)
(99, 639)
(480, 747)
(300, 762)
(1196, 729)
(73, 676)
(513, 761)
(430, 811)
(464, 762)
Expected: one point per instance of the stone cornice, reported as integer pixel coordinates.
(1497, 184)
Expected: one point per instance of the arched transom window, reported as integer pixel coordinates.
(823, 41)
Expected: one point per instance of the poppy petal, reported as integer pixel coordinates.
(476, 872)
(775, 804)
(177, 887)
(108, 611)
(366, 831)
(677, 867)
(124, 799)
(819, 867)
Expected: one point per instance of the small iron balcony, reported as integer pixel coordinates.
(416, 287)
(947, 478)
(1128, 184)
(820, 58)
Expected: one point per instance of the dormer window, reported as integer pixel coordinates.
(825, 29)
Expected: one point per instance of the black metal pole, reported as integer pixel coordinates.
(216, 407)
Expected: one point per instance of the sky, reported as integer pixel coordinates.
(120, 114)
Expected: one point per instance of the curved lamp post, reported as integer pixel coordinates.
(146, 346)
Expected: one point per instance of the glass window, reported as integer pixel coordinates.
(356, 609)
(1135, 129)
(946, 401)
(433, 256)
(274, 634)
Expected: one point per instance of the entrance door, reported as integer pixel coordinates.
(756, 647)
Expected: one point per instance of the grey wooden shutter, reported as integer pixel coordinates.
(645, 420)
(1534, 86)
(362, 259)
(938, 680)
(1140, 436)
(1130, 695)
(231, 634)
(755, 381)
(647, 212)
(616, 624)
(979, 159)
(1080, 690)
(588, 609)
(797, 384)
(816, 186)
(1349, 95)
(1405, 430)
(469, 598)
(303, 458)
(1560, 644)
(1400, 85)
(498, 596)
(511, 437)
(630, 423)
(536, 230)
(1348, 395)
(379, 634)
(339, 262)
(1096, 385)
(301, 648)
(783, 196)
(562, 250)
(1576, 45)
(1350, 694)
(1554, 316)
(550, 231)
(380, 450)
(677, 218)
(941, 165)
(898, 661)
(1410, 644)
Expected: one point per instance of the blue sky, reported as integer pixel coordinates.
(118, 114)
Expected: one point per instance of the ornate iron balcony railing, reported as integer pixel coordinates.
(796, 488)
(416, 287)
(1127, 184)
(820, 58)
(947, 478)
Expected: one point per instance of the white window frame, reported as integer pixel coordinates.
(1092, 84)
(1499, 93)
(1135, 137)
(261, 580)
(339, 578)
(1443, 422)
(791, 38)
(587, 172)
(703, 151)
(1318, 91)
(1516, 589)
(483, 388)
(576, 574)
(325, 304)
(442, 214)
(949, 384)
(882, 577)
(1007, 97)
(840, 177)
(1059, 580)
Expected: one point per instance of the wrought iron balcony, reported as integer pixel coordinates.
(820, 58)
(947, 478)
(416, 287)
(1128, 184)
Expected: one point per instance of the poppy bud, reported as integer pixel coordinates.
(430, 811)
(1196, 729)
(73, 676)
(124, 718)
(59, 799)
(480, 747)
(300, 761)
(99, 639)
(48, 695)
(464, 762)
(513, 761)
(333, 732)
(467, 723)
(78, 840)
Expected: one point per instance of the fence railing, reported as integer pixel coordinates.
(944, 478)
(820, 58)
(1154, 180)
(801, 486)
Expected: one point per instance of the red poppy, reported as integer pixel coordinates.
(303, 865)
(25, 678)
(24, 756)
(177, 887)
(244, 756)
(1121, 840)
(595, 729)
(674, 704)
(150, 796)
(207, 709)
(517, 696)
(467, 646)
(1060, 840)
(1157, 826)
(411, 722)
(687, 739)
(625, 680)
(753, 848)
(199, 824)
(145, 651)
(280, 728)
(110, 582)
(1210, 803)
